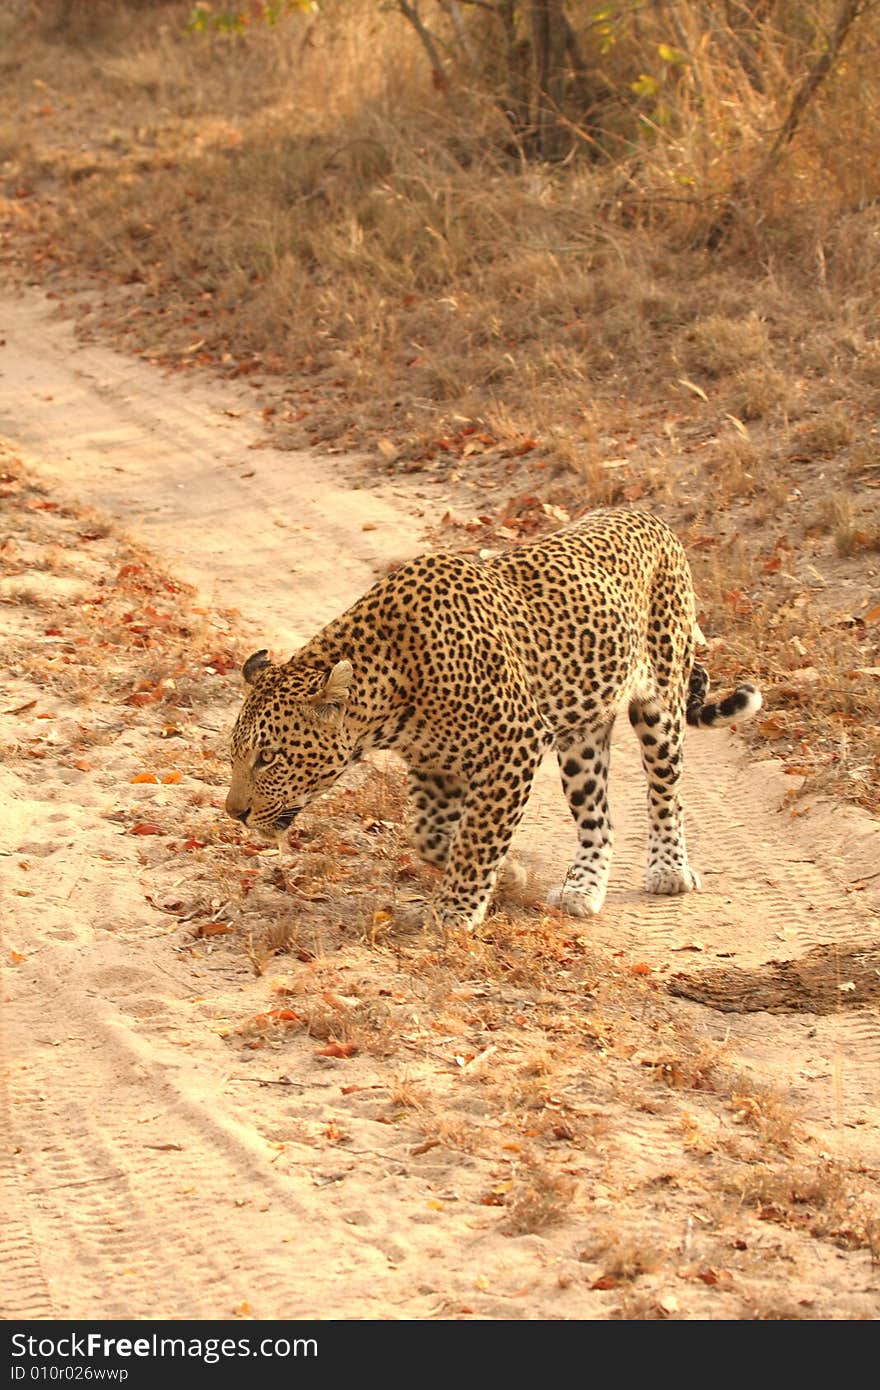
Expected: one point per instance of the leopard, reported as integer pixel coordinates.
(471, 670)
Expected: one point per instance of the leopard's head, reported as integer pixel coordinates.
(290, 741)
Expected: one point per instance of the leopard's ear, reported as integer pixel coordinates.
(333, 698)
(254, 665)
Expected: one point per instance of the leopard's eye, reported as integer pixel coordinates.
(264, 757)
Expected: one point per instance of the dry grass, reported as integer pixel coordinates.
(825, 435)
(621, 1256)
(853, 529)
(819, 1196)
(717, 346)
(540, 1198)
(759, 392)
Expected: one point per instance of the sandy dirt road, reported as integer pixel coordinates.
(140, 1174)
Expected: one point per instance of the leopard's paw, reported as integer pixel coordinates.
(664, 879)
(512, 876)
(577, 902)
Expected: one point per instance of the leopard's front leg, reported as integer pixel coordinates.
(436, 800)
(491, 811)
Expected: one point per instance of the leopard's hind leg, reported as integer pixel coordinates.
(660, 731)
(657, 714)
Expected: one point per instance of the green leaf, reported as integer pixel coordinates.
(672, 55)
(645, 85)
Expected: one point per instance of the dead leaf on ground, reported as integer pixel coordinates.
(335, 1049)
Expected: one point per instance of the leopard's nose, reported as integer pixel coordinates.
(237, 812)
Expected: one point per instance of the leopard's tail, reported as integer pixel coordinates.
(741, 704)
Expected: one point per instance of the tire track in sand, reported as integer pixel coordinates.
(135, 1135)
(26, 1295)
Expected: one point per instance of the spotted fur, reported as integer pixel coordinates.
(471, 671)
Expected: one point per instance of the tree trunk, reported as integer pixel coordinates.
(550, 39)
